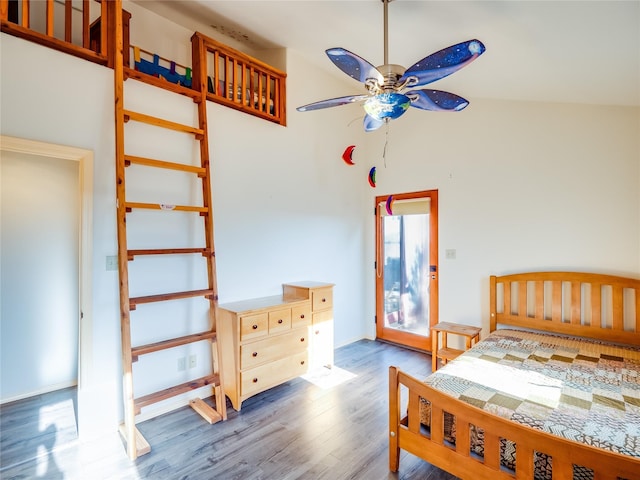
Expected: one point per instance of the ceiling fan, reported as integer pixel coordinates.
(392, 89)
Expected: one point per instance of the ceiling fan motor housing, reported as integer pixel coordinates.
(391, 73)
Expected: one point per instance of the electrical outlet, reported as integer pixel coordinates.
(112, 262)
(182, 364)
(193, 361)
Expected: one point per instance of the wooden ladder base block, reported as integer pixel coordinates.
(205, 411)
(142, 446)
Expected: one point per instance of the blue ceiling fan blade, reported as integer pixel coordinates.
(353, 65)
(333, 102)
(442, 63)
(371, 124)
(436, 100)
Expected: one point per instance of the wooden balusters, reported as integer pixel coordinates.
(22, 17)
(242, 82)
(26, 16)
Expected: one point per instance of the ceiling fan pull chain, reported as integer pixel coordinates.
(351, 122)
(386, 141)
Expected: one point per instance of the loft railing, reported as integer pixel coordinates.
(77, 27)
(83, 28)
(239, 81)
(159, 71)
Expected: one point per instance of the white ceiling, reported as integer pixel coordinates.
(556, 51)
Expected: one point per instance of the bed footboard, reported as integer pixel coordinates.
(407, 433)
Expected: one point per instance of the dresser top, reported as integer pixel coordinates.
(309, 284)
(246, 306)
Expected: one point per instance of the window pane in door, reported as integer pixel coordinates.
(406, 272)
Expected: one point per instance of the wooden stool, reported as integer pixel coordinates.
(471, 334)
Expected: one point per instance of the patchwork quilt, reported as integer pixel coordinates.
(580, 389)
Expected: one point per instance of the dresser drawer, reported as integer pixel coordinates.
(273, 348)
(301, 316)
(279, 321)
(322, 298)
(268, 375)
(254, 326)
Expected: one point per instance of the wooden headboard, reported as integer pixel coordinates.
(591, 305)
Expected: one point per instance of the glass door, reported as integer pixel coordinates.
(407, 268)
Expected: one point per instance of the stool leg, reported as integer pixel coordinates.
(434, 351)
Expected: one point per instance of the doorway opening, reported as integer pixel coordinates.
(26, 149)
(407, 268)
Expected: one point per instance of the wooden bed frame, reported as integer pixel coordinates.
(585, 304)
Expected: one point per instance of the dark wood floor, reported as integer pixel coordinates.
(295, 431)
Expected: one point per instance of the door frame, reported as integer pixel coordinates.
(407, 339)
(85, 254)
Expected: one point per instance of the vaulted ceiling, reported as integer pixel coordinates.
(548, 51)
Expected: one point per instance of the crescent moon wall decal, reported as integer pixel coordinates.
(388, 204)
(372, 177)
(347, 156)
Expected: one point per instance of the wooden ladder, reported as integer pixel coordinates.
(130, 353)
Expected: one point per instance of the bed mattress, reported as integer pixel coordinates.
(580, 389)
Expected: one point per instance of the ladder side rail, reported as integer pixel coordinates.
(199, 62)
(121, 213)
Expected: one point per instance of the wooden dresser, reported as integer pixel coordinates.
(267, 341)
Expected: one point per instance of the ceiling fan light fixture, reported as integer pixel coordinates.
(387, 105)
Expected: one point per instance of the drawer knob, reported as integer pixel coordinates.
(302, 315)
(317, 332)
(255, 380)
(280, 320)
(302, 339)
(302, 362)
(255, 327)
(324, 300)
(254, 354)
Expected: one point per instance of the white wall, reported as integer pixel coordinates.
(522, 186)
(284, 210)
(74, 106)
(39, 274)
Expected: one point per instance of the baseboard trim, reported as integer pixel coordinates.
(40, 391)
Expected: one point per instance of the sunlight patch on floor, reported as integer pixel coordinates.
(327, 378)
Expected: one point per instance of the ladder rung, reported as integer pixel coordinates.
(175, 390)
(168, 251)
(163, 206)
(150, 162)
(174, 342)
(168, 296)
(160, 122)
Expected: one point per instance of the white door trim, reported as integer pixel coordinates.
(85, 293)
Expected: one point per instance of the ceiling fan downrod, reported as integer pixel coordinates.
(390, 72)
(386, 31)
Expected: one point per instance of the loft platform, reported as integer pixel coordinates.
(229, 77)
